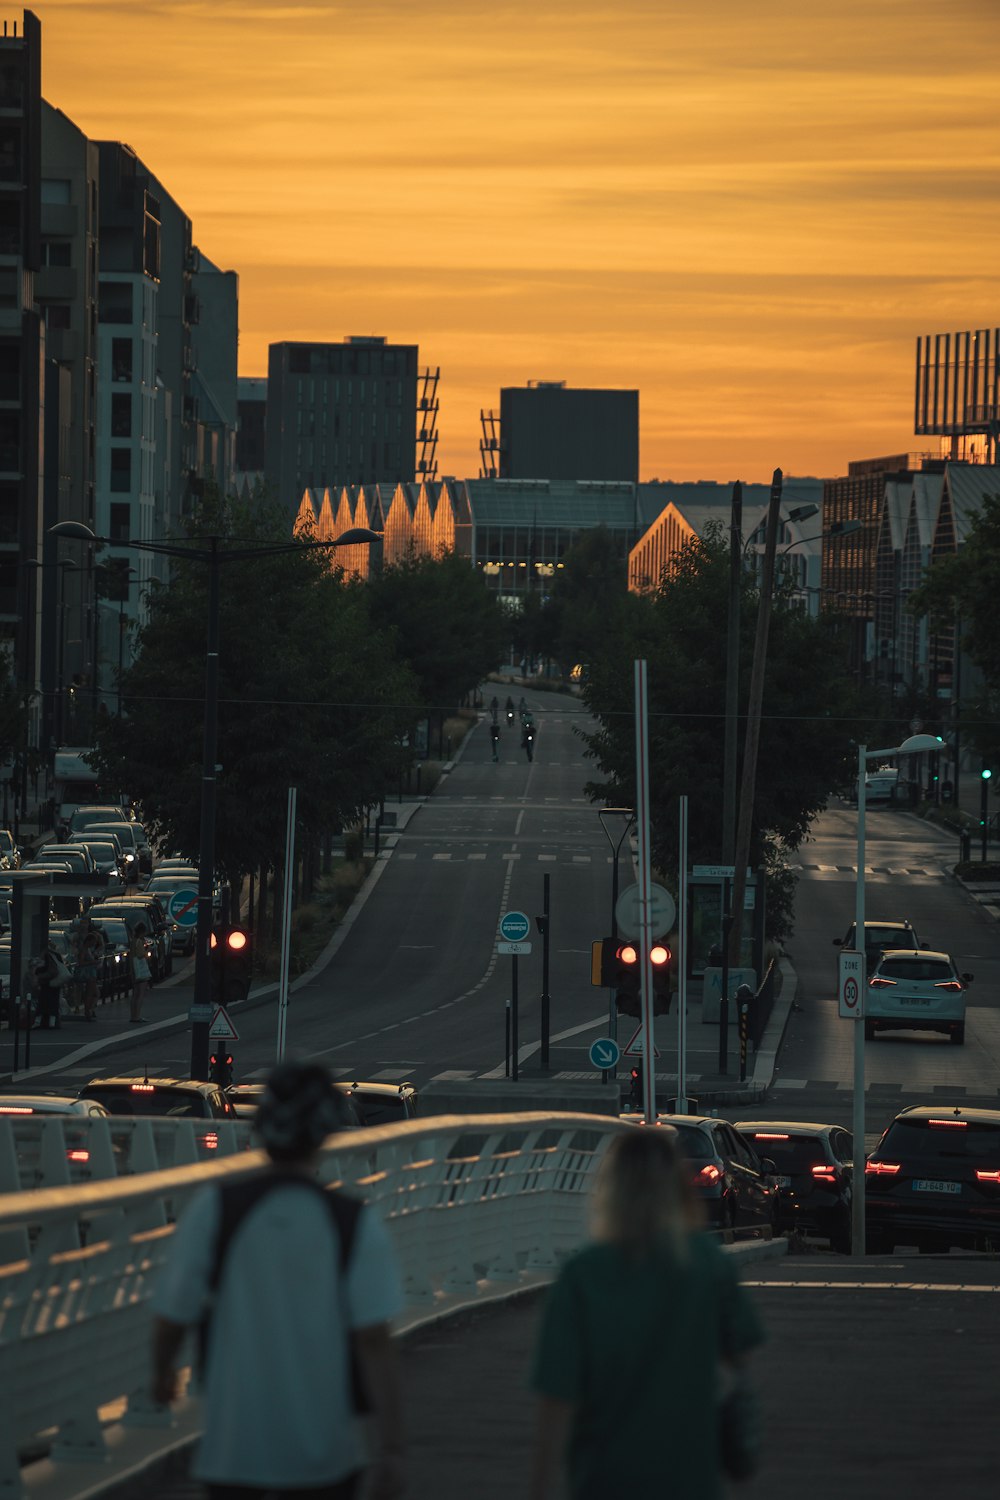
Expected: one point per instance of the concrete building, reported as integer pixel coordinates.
(346, 414)
(66, 293)
(22, 386)
(548, 431)
(251, 432)
(214, 321)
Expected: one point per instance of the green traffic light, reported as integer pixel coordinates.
(986, 774)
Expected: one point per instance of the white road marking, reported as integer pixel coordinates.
(877, 1286)
(390, 1075)
(454, 1075)
(790, 1083)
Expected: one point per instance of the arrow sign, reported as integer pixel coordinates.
(605, 1053)
(222, 1028)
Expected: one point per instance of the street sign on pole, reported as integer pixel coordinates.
(851, 983)
(515, 949)
(645, 882)
(604, 1053)
(637, 1044)
(662, 912)
(221, 1028)
(182, 907)
(514, 926)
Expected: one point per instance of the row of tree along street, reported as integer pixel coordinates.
(323, 680)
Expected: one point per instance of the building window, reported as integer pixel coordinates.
(56, 190)
(57, 253)
(121, 414)
(121, 520)
(115, 302)
(10, 442)
(9, 510)
(121, 470)
(10, 152)
(58, 315)
(121, 359)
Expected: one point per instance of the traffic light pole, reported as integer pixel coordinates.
(546, 881)
(202, 1009)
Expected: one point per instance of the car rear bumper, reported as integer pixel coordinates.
(965, 1225)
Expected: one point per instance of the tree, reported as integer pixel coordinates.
(959, 592)
(588, 596)
(310, 696)
(809, 714)
(448, 628)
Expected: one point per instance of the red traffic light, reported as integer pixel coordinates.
(628, 953)
(236, 940)
(659, 954)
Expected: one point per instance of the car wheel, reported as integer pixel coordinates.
(958, 1035)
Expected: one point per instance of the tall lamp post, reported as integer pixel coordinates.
(915, 745)
(213, 555)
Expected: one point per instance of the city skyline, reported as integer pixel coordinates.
(749, 218)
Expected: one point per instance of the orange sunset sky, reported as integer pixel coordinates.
(748, 209)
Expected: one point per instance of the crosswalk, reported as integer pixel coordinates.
(460, 856)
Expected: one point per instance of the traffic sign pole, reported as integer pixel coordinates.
(513, 1018)
(858, 1101)
(645, 883)
(682, 892)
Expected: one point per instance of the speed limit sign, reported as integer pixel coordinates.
(851, 983)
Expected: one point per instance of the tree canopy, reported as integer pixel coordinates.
(808, 719)
(311, 695)
(448, 628)
(960, 591)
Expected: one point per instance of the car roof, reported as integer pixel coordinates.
(395, 1089)
(914, 953)
(43, 1103)
(787, 1127)
(949, 1111)
(190, 1085)
(876, 922)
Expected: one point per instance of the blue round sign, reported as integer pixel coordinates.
(514, 927)
(604, 1053)
(182, 907)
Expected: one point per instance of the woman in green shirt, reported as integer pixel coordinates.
(634, 1332)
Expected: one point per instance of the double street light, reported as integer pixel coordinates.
(213, 555)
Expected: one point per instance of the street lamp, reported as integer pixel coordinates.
(213, 556)
(916, 744)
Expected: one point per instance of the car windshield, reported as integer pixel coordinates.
(124, 1099)
(887, 937)
(949, 1140)
(792, 1152)
(122, 832)
(913, 969)
(694, 1144)
(380, 1110)
(114, 929)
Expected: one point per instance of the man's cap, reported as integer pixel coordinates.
(300, 1108)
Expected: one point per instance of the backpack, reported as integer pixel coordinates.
(236, 1200)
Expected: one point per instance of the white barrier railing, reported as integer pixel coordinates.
(41, 1151)
(469, 1201)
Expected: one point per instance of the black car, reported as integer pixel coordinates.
(879, 936)
(731, 1179)
(178, 1098)
(814, 1171)
(933, 1181)
(381, 1103)
(141, 907)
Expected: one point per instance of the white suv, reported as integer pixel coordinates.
(916, 990)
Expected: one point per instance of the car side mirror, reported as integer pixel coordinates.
(768, 1166)
(967, 978)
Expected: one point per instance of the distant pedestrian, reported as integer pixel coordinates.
(88, 957)
(522, 707)
(635, 1327)
(141, 972)
(46, 981)
(296, 1283)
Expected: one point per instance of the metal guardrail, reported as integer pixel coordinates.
(469, 1201)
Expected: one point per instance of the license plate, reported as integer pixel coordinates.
(783, 1181)
(921, 1185)
(915, 1000)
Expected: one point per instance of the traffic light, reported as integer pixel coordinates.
(660, 955)
(622, 971)
(231, 965)
(220, 1069)
(627, 978)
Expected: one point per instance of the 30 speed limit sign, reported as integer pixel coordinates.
(851, 983)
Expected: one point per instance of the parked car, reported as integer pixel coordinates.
(916, 990)
(117, 935)
(933, 1181)
(183, 1098)
(879, 936)
(814, 1171)
(381, 1103)
(731, 1179)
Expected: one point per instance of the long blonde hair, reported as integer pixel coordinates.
(642, 1199)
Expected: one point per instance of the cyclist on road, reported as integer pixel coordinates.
(495, 740)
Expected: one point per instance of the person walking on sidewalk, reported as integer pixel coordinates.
(89, 956)
(634, 1330)
(296, 1283)
(140, 972)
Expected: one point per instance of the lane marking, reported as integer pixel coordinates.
(879, 1286)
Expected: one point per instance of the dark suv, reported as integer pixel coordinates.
(178, 1098)
(933, 1181)
(879, 936)
(814, 1169)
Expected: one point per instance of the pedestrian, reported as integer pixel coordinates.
(494, 708)
(522, 707)
(303, 1298)
(495, 740)
(633, 1334)
(47, 974)
(140, 973)
(89, 956)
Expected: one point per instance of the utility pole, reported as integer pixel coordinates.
(732, 675)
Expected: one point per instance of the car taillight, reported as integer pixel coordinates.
(949, 984)
(878, 983)
(16, 1109)
(210, 1141)
(709, 1173)
(769, 1135)
(948, 1124)
(987, 1176)
(824, 1172)
(881, 1168)
(78, 1154)
(143, 1088)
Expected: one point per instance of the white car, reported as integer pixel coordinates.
(916, 989)
(22, 1106)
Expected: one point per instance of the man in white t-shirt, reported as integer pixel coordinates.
(299, 1287)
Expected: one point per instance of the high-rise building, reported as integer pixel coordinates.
(251, 428)
(214, 318)
(548, 431)
(344, 414)
(21, 359)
